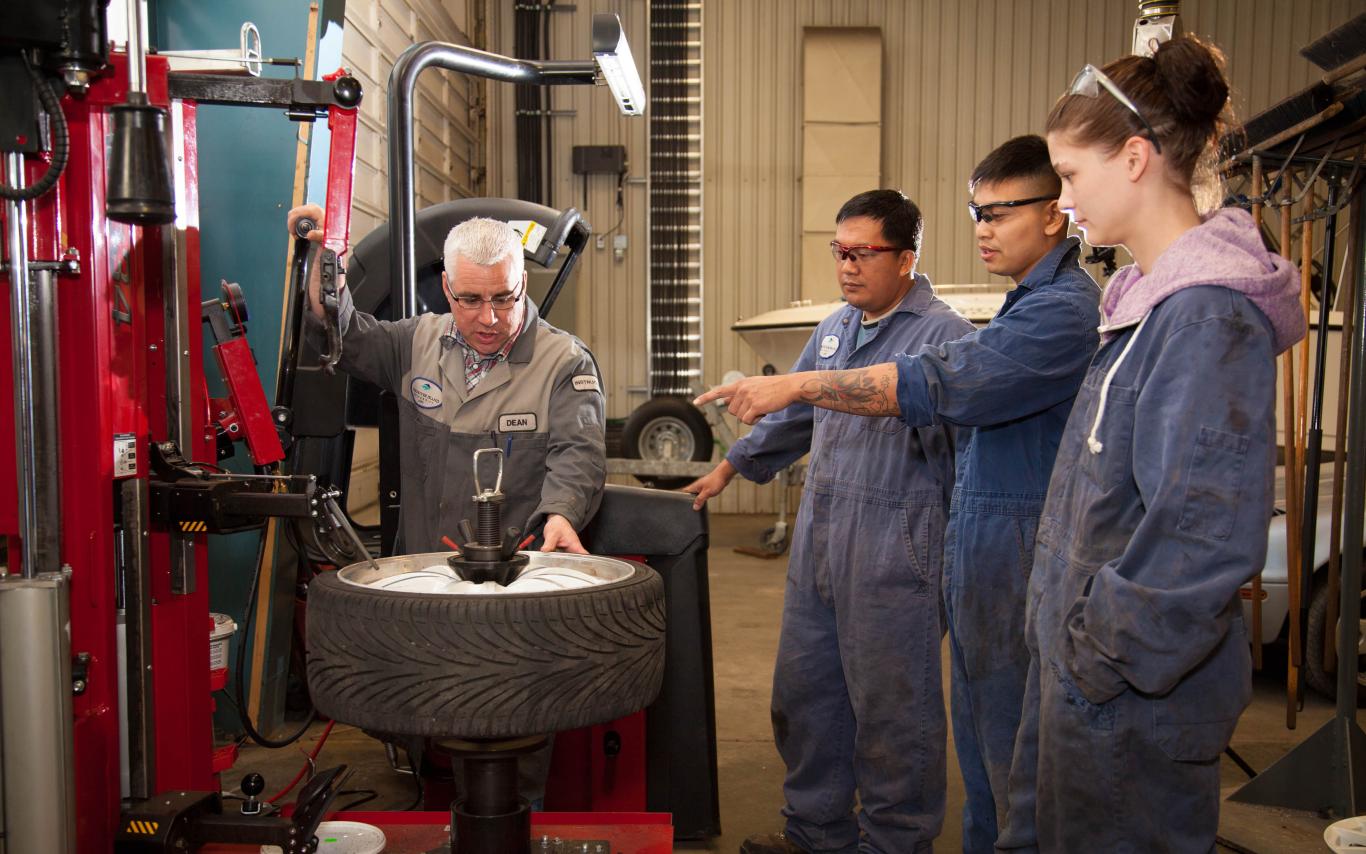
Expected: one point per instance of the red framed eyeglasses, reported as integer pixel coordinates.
(859, 254)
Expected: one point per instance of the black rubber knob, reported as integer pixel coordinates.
(611, 743)
(253, 784)
(303, 226)
(346, 91)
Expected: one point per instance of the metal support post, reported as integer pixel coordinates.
(178, 313)
(139, 756)
(35, 704)
(402, 85)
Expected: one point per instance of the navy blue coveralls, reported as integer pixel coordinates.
(857, 699)
(1013, 382)
(1156, 514)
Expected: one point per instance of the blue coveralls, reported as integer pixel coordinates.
(857, 698)
(1013, 381)
(1156, 514)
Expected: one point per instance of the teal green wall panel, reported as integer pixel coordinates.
(246, 182)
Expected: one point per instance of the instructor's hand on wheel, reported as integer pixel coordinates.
(561, 536)
(752, 398)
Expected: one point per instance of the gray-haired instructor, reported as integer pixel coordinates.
(489, 374)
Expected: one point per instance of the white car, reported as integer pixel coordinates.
(1276, 593)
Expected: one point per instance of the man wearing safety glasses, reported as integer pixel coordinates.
(858, 709)
(1012, 383)
(490, 373)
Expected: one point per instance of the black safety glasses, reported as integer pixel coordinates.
(983, 213)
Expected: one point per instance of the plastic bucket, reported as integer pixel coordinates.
(1348, 835)
(343, 837)
(223, 630)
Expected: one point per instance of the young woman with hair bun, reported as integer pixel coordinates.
(1159, 502)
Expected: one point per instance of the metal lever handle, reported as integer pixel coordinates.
(481, 494)
(339, 520)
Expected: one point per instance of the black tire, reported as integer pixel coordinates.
(661, 416)
(496, 666)
(1316, 632)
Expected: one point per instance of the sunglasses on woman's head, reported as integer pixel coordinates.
(1090, 80)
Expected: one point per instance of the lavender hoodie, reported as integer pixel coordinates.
(1225, 250)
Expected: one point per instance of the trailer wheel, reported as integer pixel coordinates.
(670, 429)
(1317, 633)
(485, 666)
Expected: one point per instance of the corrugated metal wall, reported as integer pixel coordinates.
(448, 143)
(959, 77)
(607, 301)
(606, 304)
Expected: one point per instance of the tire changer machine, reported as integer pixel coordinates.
(105, 696)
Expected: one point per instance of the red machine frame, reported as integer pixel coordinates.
(112, 365)
(115, 300)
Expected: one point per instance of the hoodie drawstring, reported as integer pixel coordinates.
(1092, 441)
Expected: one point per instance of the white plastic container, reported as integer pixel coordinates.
(1347, 836)
(223, 630)
(343, 837)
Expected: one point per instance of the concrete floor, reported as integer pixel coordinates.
(746, 604)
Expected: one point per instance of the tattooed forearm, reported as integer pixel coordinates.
(861, 391)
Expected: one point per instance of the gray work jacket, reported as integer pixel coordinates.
(543, 406)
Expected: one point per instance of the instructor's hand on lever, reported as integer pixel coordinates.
(314, 213)
(560, 536)
(752, 398)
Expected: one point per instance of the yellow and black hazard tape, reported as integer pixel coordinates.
(142, 828)
(194, 527)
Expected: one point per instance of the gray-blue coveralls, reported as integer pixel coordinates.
(1013, 382)
(857, 702)
(1139, 658)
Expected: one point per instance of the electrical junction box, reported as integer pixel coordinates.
(599, 160)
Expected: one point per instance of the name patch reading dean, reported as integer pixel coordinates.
(519, 422)
(426, 394)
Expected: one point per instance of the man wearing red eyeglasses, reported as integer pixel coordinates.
(858, 710)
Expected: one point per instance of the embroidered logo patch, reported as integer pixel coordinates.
(519, 422)
(425, 393)
(586, 382)
(829, 344)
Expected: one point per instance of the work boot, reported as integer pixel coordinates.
(770, 843)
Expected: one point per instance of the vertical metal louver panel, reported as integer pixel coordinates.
(675, 307)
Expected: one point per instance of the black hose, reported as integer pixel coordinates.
(239, 683)
(369, 795)
(417, 778)
(60, 143)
